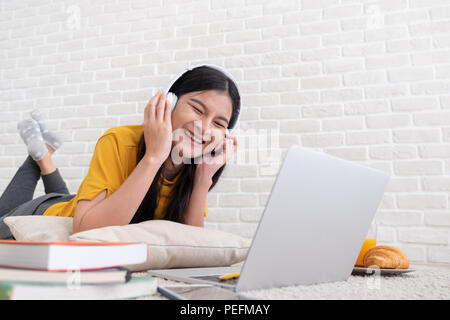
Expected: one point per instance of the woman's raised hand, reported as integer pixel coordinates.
(158, 128)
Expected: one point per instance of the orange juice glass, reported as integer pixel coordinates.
(367, 245)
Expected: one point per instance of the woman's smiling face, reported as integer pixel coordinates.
(199, 121)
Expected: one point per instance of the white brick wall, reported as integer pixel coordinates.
(367, 81)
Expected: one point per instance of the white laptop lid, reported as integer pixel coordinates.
(315, 221)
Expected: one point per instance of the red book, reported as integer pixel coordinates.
(70, 255)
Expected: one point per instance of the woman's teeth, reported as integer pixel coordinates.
(193, 138)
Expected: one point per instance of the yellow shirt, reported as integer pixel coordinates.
(113, 161)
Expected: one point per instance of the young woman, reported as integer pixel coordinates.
(132, 175)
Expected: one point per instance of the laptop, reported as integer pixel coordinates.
(313, 226)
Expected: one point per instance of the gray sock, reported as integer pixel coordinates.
(31, 135)
(49, 137)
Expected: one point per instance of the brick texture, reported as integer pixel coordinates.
(367, 81)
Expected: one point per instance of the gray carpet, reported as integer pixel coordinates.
(427, 282)
(430, 283)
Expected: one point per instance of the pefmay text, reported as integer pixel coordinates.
(228, 309)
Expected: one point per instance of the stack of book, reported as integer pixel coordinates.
(72, 270)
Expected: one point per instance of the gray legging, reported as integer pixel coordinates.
(18, 195)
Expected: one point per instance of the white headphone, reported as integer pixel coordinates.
(172, 98)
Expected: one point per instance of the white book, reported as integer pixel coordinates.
(135, 288)
(107, 275)
(70, 255)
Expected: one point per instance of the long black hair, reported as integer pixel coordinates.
(198, 79)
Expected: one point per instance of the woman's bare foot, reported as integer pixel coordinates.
(46, 163)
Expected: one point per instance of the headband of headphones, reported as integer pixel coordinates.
(172, 98)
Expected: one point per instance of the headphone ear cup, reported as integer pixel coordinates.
(172, 98)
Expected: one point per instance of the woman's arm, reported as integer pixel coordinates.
(119, 208)
(195, 213)
(203, 180)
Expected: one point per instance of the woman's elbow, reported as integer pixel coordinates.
(195, 222)
(76, 225)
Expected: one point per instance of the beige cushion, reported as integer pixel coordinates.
(174, 245)
(169, 244)
(39, 228)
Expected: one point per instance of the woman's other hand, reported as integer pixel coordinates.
(209, 164)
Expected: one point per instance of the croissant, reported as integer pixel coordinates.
(386, 257)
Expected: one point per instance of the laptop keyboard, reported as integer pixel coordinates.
(216, 279)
